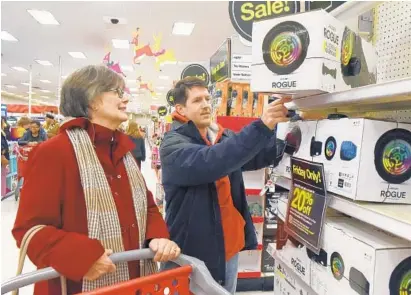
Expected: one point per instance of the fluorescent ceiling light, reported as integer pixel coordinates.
(168, 62)
(64, 77)
(43, 17)
(181, 28)
(158, 93)
(25, 84)
(45, 81)
(164, 77)
(127, 68)
(43, 62)
(77, 54)
(122, 44)
(131, 81)
(45, 91)
(133, 89)
(10, 86)
(135, 95)
(3, 75)
(19, 69)
(160, 87)
(6, 36)
(155, 98)
(31, 92)
(43, 96)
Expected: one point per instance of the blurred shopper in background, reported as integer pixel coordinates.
(5, 127)
(22, 126)
(139, 151)
(5, 158)
(207, 211)
(35, 135)
(113, 212)
(51, 126)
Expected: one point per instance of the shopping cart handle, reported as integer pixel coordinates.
(201, 280)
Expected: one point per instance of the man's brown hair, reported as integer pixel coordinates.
(180, 91)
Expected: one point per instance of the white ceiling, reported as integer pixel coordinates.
(82, 28)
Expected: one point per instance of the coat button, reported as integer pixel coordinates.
(119, 176)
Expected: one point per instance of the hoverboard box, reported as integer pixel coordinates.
(360, 259)
(286, 283)
(365, 160)
(297, 136)
(309, 53)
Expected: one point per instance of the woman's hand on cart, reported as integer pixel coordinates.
(102, 266)
(164, 249)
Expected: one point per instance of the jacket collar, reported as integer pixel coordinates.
(187, 127)
(101, 135)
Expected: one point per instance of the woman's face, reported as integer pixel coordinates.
(110, 107)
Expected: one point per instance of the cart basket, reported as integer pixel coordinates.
(193, 276)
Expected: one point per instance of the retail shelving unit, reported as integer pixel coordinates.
(394, 95)
(392, 218)
(389, 99)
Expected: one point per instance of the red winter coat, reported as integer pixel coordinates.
(52, 195)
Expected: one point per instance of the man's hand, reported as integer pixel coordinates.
(102, 266)
(165, 250)
(275, 113)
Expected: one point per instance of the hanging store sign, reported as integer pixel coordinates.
(326, 5)
(244, 13)
(170, 98)
(198, 71)
(307, 203)
(241, 67)
(162, 111)
(220, 63)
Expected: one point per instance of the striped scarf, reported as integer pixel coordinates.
(102, 216)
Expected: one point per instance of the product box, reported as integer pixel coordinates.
(235, 100)
(222, 98)
(247, 103)
(298, 136)
(365, 160)
(296, 258)
(286, 283)
(309, 53)
(361, 259)
(267, 260)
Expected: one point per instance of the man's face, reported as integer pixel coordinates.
(34, 128)
(198, 107)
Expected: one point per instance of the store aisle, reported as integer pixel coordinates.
(9, 251)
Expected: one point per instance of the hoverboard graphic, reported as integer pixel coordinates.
(285, 47)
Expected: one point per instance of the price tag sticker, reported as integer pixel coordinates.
(307, 203)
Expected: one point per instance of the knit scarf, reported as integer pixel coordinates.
(102, 216)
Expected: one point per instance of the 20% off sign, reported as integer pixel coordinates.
(307, 203)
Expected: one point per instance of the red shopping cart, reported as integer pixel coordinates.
(192, 277)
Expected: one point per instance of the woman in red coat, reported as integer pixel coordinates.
(85, 187)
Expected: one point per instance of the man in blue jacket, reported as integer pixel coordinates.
(206, 206)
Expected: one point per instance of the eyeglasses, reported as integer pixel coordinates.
(119, 91)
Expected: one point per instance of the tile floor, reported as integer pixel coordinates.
(9, 251)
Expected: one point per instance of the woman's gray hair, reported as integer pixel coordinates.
(83, 86)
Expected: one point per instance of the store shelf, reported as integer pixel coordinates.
(249, 275)
(383, 96)
(393, 218)
(351, 9)
(258, 219)
(252, 192)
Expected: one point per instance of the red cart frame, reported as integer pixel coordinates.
(192, 277)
